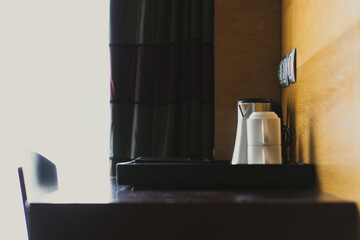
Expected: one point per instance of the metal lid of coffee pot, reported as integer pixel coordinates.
(246, 106)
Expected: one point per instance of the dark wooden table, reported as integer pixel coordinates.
(194, 214)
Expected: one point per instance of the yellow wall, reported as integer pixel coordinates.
(247, 53)
(323, 106)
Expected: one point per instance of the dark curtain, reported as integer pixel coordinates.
(162, 79)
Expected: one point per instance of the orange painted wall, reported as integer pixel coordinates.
(323, 106)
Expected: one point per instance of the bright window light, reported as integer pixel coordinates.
(54, 93)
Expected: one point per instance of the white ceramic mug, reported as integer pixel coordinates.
(264, 154)
(264, 138)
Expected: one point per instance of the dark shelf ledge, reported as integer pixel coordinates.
(215, 175)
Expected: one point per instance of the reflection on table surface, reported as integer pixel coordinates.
(113, 193)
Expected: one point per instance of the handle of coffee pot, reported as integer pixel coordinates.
(287, 136)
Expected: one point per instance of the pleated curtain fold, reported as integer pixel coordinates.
(162, 79)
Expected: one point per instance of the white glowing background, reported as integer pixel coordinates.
(54, 95)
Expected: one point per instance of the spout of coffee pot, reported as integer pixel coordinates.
(244, 109)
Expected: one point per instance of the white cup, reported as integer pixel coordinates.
(263, 128)
(264, 154)
(264, 138)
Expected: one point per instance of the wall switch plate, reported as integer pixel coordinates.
(287, 69)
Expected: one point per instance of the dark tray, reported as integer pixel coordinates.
(178, 173)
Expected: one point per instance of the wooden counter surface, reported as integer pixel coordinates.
(195, 214)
